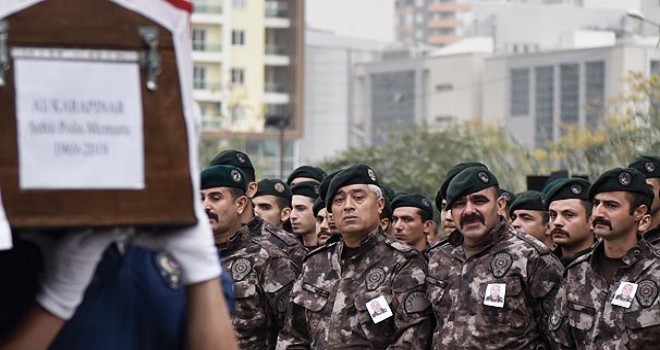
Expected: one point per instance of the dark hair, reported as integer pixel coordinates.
(545, 217)
(236, 192)
(283, 202)
(424, 215)
(588, 208)
(636, 199)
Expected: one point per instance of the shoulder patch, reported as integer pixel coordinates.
(406, 250)
(319, 249)
(540, 247)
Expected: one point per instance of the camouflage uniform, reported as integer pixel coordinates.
(567, 260)
(328, 301)
(584, 317)
(263, 276)
(653, 236)
(262, 229)
(457, 288)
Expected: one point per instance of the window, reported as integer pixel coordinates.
(238, 76)
(237, 114)
(545, 101)
(520, 92)
(239, 4)
(199, 39)
(569, 93)
(238, 37)
(595, 91)
(199, 78)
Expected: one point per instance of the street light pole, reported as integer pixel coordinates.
(638, 15)
(279, 121)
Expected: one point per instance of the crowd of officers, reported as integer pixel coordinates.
(338, 261)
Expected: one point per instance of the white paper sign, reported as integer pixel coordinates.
(5, 231)
(79, 119)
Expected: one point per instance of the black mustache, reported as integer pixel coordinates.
(212, 215)
(558, 230)
(472, 217)
(601, 221)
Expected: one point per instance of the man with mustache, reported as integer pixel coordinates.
(303, 221)
(330, 301)
(482, 253)
(263, 274)
(586, 313)
(258, 226)
(412, 219)
(325, 227)
(570, 212)
(650, 167)
(530, 216)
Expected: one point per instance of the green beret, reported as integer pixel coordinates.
(223, 176)
(508, 196)
(318, 205)
(307, 171)
(236, 159)
(618, 179)
(388, 195)
(647, 165)
(307, 188)
(442, 192)
(323, 186)
(568, 188)
(469, 181)
(355, 174)
(273, 187)
(528, 200)
(413, 200)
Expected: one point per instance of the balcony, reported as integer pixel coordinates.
(204, 90)
(275, 93)
(276, 55)
(213, 123)
(207, 13)
(277, 15)
(207, 52)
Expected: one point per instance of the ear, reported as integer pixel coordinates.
(640, 211)
(644, 223)
(385, 223)
(252, 189)
(501, 205)
(381, 205)
(241, 203)
(427, 226)
(284, 214)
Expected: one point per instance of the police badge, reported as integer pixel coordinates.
(500, 264)
(554, 321)
(374, 278)
(647, 292)
(625, 179)
(240, 269)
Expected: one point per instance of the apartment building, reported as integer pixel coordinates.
(248, 76)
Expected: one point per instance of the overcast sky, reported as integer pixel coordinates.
(372, 19)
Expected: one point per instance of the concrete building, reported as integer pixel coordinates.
(432, 88)
(248, 64)
(537, 96)
(329, 106)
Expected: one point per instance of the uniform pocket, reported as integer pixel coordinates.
(580, 317)
(311, 298)
(515, 313)
(380, 332)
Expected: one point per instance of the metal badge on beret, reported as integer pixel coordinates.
(426, 202)
(542, 200)
(374, 278)
(240, 269)
(235, 175)
(554, 321)
(649, 166)
(371, 174)
(169, 270)
(647, 292)
(500, 264)
(576, 189)
(240, 157)
(625, 179)
(416, 302)
(484, 178)
(316, 190)
(279, 187)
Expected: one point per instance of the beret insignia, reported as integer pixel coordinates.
(426, 202)
(483, 177)
(235, 175)
(371, 174)
(625, 179)
(279, 187)
(649, 166)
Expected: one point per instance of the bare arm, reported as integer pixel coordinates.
(209, 325)
(35, 332)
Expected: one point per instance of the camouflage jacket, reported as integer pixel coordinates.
(263, 229)
(584, 316)
(263, 276)
(457, 290)
(566, 260)
(653, 236)
(328, 308)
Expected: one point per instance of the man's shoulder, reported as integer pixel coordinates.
(398, 247)
(529, 242)
(273, 232)
(315, 253)
(580, 262)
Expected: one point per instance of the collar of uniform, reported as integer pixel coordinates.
(254, 224)
(242, 235)
(641, 249)
(367, 242)
(653, 235)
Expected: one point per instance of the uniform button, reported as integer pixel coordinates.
(636, 252)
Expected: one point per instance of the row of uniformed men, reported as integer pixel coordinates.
(486, 285)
